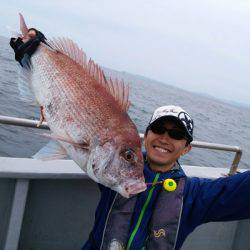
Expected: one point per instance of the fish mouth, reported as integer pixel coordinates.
(135, 188)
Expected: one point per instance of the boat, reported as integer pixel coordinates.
(51, 204)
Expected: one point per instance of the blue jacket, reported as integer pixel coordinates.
(205, 200)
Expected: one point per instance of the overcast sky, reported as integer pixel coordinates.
(201, 46)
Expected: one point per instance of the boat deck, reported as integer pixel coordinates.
(51, 205)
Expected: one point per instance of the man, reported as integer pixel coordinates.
(161, 219)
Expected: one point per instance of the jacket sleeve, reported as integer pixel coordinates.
(223, 199)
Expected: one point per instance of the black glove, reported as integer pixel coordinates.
(20, 48)
(40, 36)
(15, 43)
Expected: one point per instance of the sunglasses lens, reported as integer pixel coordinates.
(176, 134)
(158, 129)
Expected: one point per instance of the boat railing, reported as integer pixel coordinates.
(198, 144)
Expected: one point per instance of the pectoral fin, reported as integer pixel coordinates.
(52, 151)
(67, 139)
(26, 92)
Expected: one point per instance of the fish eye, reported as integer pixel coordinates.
(128, 155)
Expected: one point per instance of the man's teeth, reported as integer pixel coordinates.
(163, 150)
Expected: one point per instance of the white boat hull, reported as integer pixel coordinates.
(51, 205)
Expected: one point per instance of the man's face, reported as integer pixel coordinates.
(162, 150)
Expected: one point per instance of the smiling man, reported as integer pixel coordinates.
(173, 205)
(168, 137)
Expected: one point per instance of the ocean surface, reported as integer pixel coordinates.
(214, 120)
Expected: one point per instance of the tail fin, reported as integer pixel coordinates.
(23, 26)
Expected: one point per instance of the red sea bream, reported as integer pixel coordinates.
(87, 115)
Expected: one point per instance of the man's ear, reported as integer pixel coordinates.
(186, 149)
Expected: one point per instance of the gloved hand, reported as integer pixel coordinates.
(26, 48)
(40, 36)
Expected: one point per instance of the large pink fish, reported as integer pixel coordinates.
(87, 115)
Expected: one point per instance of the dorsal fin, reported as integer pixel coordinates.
(116, 88)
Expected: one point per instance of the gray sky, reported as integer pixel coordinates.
(201, 46)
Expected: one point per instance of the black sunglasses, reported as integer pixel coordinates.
(176, 134)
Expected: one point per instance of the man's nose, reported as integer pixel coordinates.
(165, 136)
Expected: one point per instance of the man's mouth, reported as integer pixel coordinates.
(161, 149)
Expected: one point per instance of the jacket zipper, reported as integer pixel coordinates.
(131, 238)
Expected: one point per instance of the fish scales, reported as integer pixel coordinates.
(77, 89)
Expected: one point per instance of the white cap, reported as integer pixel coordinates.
(179, 114)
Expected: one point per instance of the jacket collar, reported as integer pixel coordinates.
(176, 172)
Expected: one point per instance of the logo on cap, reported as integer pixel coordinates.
(187, 121)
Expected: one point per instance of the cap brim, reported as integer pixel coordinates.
(178, 121)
